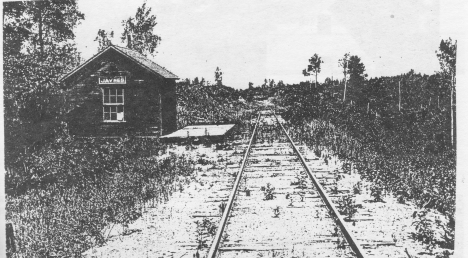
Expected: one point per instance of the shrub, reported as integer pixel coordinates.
(424, 229)
(347, 206)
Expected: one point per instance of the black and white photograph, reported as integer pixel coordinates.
(222, 129)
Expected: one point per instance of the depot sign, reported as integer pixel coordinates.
(113, 80)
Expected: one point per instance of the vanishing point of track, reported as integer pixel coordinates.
(305, 220)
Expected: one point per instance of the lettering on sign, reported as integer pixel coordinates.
(113, 80)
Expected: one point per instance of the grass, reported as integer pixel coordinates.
(70, 195)
(426, 179)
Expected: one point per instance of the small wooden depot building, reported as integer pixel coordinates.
(120, 91)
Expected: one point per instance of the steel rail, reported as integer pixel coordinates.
(353, 243)
(227, 210)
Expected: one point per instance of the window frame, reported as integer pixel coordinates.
(109, 105)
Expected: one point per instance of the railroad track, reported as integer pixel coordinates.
(277, 207)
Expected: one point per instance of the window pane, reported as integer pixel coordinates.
(106, 112)
(120, 99)
(106, 95)
(119, 91)
(120, 116)
(113, 116)
(113, 99)
(119, 109)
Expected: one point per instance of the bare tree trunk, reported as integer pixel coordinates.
(344, 95)
(452, 124)
(316, 80)
(160, 114)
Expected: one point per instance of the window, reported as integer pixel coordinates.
(113, 105)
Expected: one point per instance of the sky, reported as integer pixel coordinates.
(253, 40)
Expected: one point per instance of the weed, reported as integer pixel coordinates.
(222, 207)
(268, 191)
(376, 193)
(334, 189)
(276, 212)
(347, 206)
(247, 192)
(301, 182)
(357, 188)
(225, 237)
(206, 229)
(302, 195)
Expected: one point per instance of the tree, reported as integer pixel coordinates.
(195, 81)
(218, 77)
(104, 39)
(447, 56)
(343, 62)
(354, 68)
(272, 83)
(138, 31)
(38, 49)
(314, 67)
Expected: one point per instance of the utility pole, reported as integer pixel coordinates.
(160, 114)
(452, 124)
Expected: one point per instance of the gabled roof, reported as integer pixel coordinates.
(133, 55)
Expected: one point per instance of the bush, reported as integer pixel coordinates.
(424, 229)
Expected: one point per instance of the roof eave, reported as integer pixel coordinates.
(146, 67)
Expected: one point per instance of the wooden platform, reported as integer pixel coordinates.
(211, 132)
